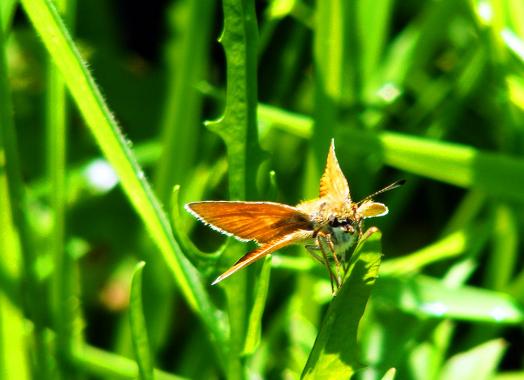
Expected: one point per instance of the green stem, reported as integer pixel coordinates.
(65, 313)
(34, 296)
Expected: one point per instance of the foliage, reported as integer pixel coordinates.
(430, 91)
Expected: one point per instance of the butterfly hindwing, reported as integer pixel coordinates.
(264, 250)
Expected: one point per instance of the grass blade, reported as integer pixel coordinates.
(115, 148)
(7, 12)
(335, 353)
(478, 363)
(183, 102)
(14, 361)
(426, 296)
(138, 326)
(254, 325)
(453, 245)
(17, 204)
(66, 317)
(456, 164)
(103, 364)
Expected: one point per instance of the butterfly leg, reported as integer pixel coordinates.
(338, 265)
(335, 284)
(311, 248)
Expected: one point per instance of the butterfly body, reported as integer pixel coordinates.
(330, 224)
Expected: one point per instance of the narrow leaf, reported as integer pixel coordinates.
(138, 326)
(456, 164)
(427, 296)
(104, 364)
(102, 124)
(254, 325)
(479, 363)
(335, 353)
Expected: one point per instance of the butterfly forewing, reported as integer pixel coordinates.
(259, 221)
(333, 182)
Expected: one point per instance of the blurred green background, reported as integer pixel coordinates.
(114, 119)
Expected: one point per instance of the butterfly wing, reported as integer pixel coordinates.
(264, 250)
(333, 182)
(259, 221)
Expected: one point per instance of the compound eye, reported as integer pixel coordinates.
(334, 222)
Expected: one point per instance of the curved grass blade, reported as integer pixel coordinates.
(335, 353)
(138, 326)
(115, 148)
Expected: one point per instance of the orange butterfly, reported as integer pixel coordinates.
(330, 224)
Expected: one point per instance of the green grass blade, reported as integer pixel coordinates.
(478, 363)
(7, 12)
(426, 296)
(503, 258)
(104, 364)
(115, 148)
(138, 326)
(335, 353)
(390, 374)
(331, 59)
(14, 360)
(373, 28)
(456, 164)
(508, 375)
(254, 325)
(66, 316)
(34, 305)
(450, 246)
(183, 102)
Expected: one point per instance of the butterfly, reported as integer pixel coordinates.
(327, 226)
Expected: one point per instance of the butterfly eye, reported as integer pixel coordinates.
(333, 222)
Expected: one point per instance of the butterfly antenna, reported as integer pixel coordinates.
(392, 186)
